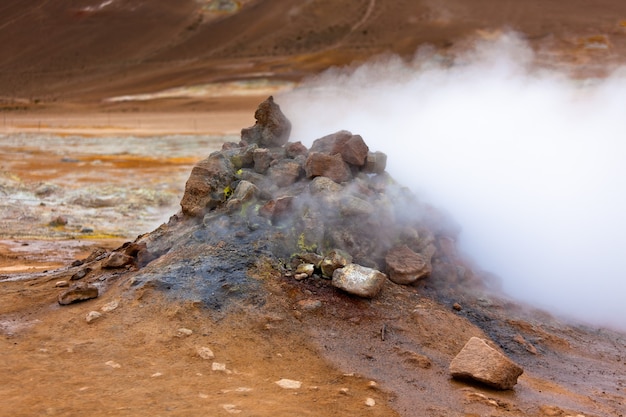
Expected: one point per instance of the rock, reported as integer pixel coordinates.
(333, 260)
(307, 269)
(117, 260)
(81, 274)
(352, 148)
(78, 292)
(284, 173)
(331, 166)
(62, 284)
(58, 221)
(355, 206)
(109, 306)
(295, 149)
(376, 163)
(262, 160)
(205, 353)
(288, 383)
(184, 332)
(324, 185)
(525, 343)
(272, 128)
(92, 316)
(457, 307)
(370, 402)
(218, 367)
(113, 364)
(207, 185)
(480, 362)
(551, 411)
(245, 191)
(405, 266)
(276, 209)
(359, 280)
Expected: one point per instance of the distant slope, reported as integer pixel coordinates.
(77, 50)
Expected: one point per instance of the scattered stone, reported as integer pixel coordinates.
(58, 221)
(205, 353)
(301, 276)
(551, 411)
(295, 149)
(359, 280)
(245, 191)
(231, 408)
(81, 274)
(272, 128)
(284, 172)
(77, 262)
(262, 159)
(372, 385)
(92, 316)
(333, 260)
(113, 364)
(218, 367)
(405, 266)
(110, 306)
(289, 384)
(416, 359)
(62, 284)
(156, 375)
(182, 332)
(376, 163)
(525, 343)
(307, 269)
(351, 148)
(344, 391)
(117, 260)
(457, 307)
(480, 362)
(370, 402)
(78, 292)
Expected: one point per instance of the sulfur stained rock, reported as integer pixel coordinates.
(333, 260)
(359, 280)
(207, 185)
(480, 362)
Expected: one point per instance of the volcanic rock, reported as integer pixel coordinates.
(376, 163)
(405, 266)
(92, 316)
(78, 292)
(207, 185)
(331, 166)
(482, 363)
(352, 148)
(295, 149)
(333, 260)
(117, 260)
(262, 160)
(284, 172)
(359, 280)
(272, 128)
(80, 274)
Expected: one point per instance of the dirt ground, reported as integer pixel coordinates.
(107, 105)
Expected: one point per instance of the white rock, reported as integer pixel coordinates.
(156, 375)
(205, 353)
(220, 367)
(359, 280)
(113, 364)
(110, 306)
(92, 315)
(61, 284)
(370, 402)
(184, 332)
(288, 384)
(231, 408)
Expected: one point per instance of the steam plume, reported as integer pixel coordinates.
(530, 163)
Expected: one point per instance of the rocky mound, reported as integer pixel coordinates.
(323, 241)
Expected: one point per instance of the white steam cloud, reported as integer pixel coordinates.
(530, 163)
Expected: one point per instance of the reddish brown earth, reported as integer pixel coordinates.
(61, 61)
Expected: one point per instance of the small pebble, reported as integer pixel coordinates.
(220, 367)
(457, 307)
(184, 332)
(205, 353)
(288, 384)
(113, 364)
(109, 306)
(370, 402)
(62, 284)
(92, 316)
(156, 375)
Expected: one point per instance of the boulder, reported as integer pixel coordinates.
(359, 280)
(376, 163)
(294, 149)
(480, 362)
(262, 159)
(352, 148)
(207, 185)
(284, 173)
(405, 266)
(331, 166)
(272, 128)
(78, 292)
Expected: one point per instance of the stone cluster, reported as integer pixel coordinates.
(333, 209)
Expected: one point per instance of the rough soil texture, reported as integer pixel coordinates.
(115, 168)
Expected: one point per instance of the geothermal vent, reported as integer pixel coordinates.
(329, 213)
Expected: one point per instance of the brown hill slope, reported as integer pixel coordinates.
(90, 49)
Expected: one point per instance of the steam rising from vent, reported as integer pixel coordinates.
(530, 163)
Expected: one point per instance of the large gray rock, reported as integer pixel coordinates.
(480, 362)
(359, 280)
(405, 266)
(272, 128)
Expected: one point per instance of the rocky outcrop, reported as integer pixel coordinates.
(272, 128)
(480, 362)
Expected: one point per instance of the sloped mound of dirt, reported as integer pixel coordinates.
(239, 305)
